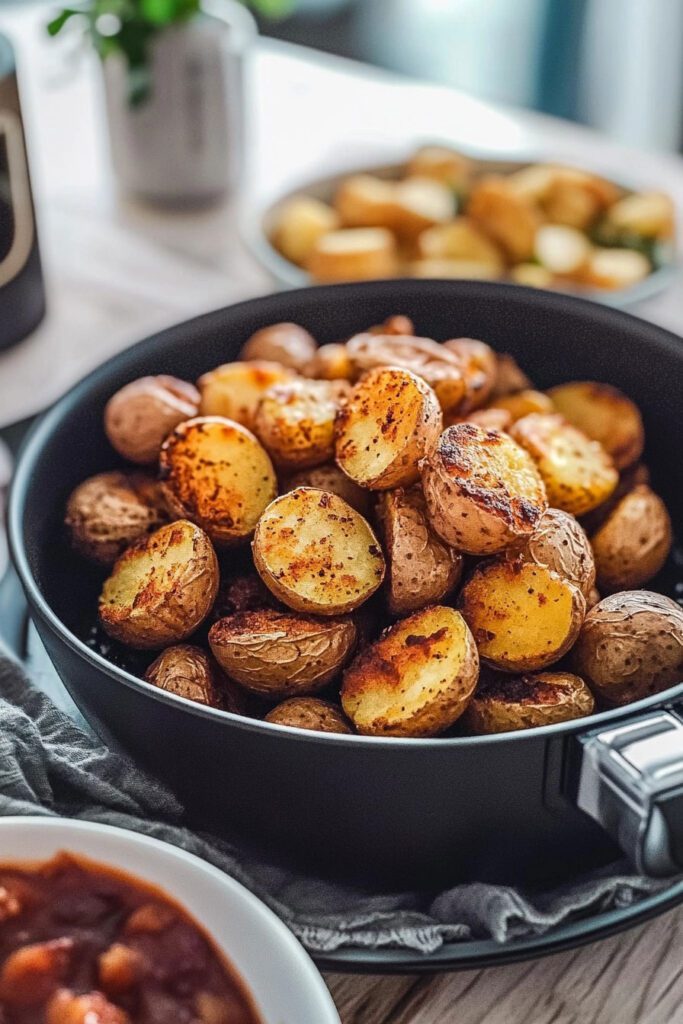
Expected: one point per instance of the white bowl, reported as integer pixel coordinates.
(282, 979)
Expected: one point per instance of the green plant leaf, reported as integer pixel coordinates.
(57, 24)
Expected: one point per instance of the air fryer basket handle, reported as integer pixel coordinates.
(631, 783)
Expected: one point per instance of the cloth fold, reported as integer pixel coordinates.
(49, 765)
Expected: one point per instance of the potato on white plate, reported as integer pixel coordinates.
(442, 164)
(504, 703)
(613, 269)
(482, 490)
(284, 343)
(577, 198)
(604, 414)
(366, 201)
(234, 390)
(354, 254)
(505, 216)
(522, 616)
(561, 249)
(460, 239)
(329, 477)
(316, 553)
(192, 673)
(523, 403)
(310, 713)
(648, 214)
(295, 422)
(217, 474)
(448, 269)
(390, 421)
(532, 275)
(416, 680)
(141, 414)
(278, 654)
(329, 362)
(577, 472)
(560, 543)
(634, 542)
(162, 588)
(419, 204)
(299, 223)
(421, 569)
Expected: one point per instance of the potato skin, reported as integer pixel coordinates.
(310, 713)
(390, 421)
(631, 646)
(421, 569)
(510, 378)
(633, 543)
(141, 414)
(234, 390)
(317, 554)
(109, 511)
(604, 414)
(330, 477)
(522, 403)
(560, 543)
(285, 343)
(523, 617)
(479, 368)
(243, 593)
(330, 362)
(190, 672)
(295, 423)
(161, 588)
(280, 654)
(509, 703)
(482, 490)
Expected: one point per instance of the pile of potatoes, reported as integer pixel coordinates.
(385, 536)
(546, 225)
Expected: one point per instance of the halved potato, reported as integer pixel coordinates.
(442, 164)
(354, 254)
(447, 269)
(330, 362)
(522, 616)
(298, 225)
(216, 473)
(482, 490)
(532, 275)
(578, 473)
(365, 201)
(421, 569)
(279, 654)
(534, 181)
(295, 423)
(576, 198)
(510, 378)
(191, 673)
(398, 324)
(648, 214)
(506, 703)
(460, 239)
(162, 588)
(331, 478)
(613, 269)
(316, 553)
(391, 420)
(234, 390)
(139, 415)
(416, 680)
(606, 415)
(523, 403)
(310, 713)
(633, 543)
(505, 216)
(479, 369)
(560, 543)
(284, 343)
(420, 203)
(561, 249)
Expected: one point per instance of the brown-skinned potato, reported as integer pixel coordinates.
(503, 703)
(523, 616)
(234, 390)
(295, 423)
(510, 378)
(330, 477)
(505, 216)
(190, 672)
(633, 543)
(479, 369)
(310, 713)
(604, 414)
(631, 646)
(317, 554)
(279, 654)
(330, 362)
(298, 224)
(353, 254)
(285, 343)
(390, 421)
(245, 592)
(162, 587)
(522, 403)
(416, 680)
(141, 414)
(482, 490)
(487, 419)
(560, 543)
(217, 474)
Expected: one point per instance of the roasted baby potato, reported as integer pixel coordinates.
(577, 472)
(331, 478)
(482, 490)
(522, 616)
(316, 553)
(234, 390)
(421, 570)
(107, 512)
(310, 713)
(479, 370)
(460, 239)
(614, 269)
(442, 164)
(141, 414)
(459, 270)
(505, 216)
(647, 214)
(523, 403)
(295, 423)
(191, 673)
(416, 680)
(391, 420)
(354, 254)
(633, 543)
(365, 201)
(576, 198)
(419, 204)
(487, 419)
(532, 275)
(245, 592)
(560, 543)
(510, 378)
(561, 249)
(299, 223)
(604, 414)
(216, 473)
(285, 343)
(505, 703)
(631, 646)
(162, 588)
(279, 654)
(330, 362)
(396, 325)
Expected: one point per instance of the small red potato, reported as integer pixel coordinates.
(285, 343)
(141, 414)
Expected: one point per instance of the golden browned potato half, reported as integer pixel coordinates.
(298, 225)
(577, 472)
(507, 703)
(330, 362)
(331, 478)
(532, 275)
(576, 198)
(217, 474)
(442, 164)
(633, 543)
(416, 680)
(365, 201)
(162, 588)
(421, 570)
(631, 646)
(419, 204)
(505, 216)
(613, 269)
(523, 403)
(460, 239)
(482, 490)
(285, 343)
(648, 214)
(391, 420)
(510, 377)
(107, 512)
(459, 270)
(191, 673)
(479, 369)
(522, 616)
(295, 423)
(234, 390)
(560, 543)
(354, 254)
(606, 415)
(141, 414)
(279, 654)
(561, 249)
(316, 553)
(310, 713)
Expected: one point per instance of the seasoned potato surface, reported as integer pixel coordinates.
(310, 713)
(633, 543)
(234, 390)
(560, 543)
(604, 414)
(191, 673)
(295, 423)
(330, 362)
(523, 403)
(331, 478)
(504, 703)
(283, 343)
(353, 254)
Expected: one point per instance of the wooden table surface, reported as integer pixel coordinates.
(117, 270)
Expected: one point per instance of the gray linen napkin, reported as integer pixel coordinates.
(48, 765)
